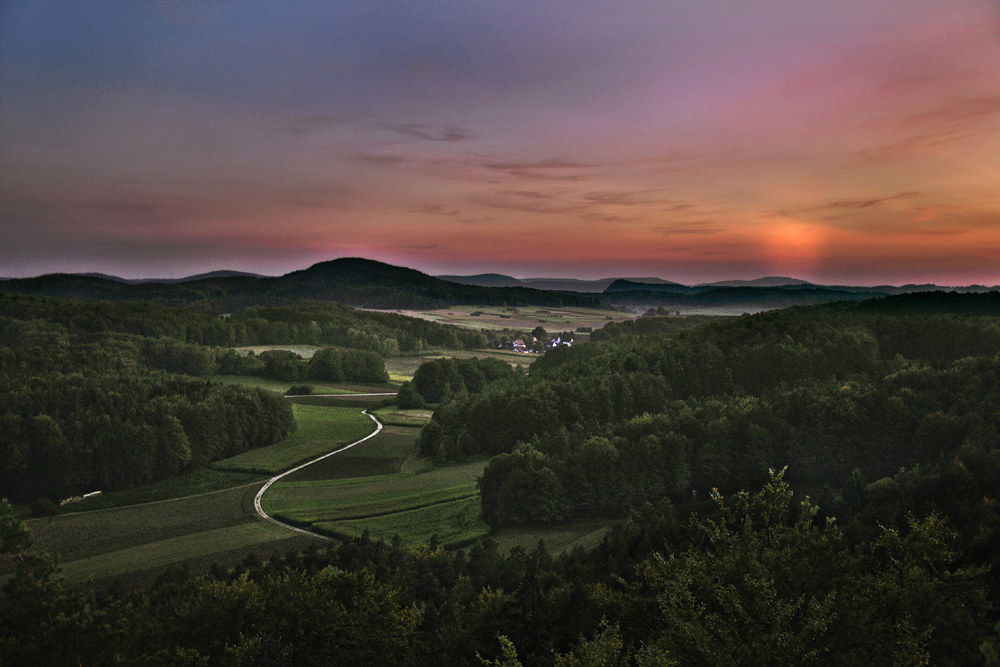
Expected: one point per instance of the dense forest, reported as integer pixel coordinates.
(334, 324)
(841, 395)
(811, 486)
(758, 580)
(104, 396)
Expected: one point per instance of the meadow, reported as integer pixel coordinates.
(498, 318)
(319, 430)
(99, 533)
(414, 505)
(281, 387)
(393, 416)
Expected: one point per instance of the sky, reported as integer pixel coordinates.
(836, 141)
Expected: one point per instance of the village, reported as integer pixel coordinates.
(540, 342)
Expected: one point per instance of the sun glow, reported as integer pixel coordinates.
(794, 246)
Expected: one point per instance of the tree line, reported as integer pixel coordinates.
(876, 412)
(332, 324)
(755, 579)
(99, 422)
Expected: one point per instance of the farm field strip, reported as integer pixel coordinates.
(282, 387)
(78, 536)
(361, 507)
(165, 552)
(585, 533)
(455, 523)
(344, 489)
(441, 501)
(319, 430)
(498, 318)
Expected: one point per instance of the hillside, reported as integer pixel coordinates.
(358, 282)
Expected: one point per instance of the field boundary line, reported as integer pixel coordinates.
(387, 393)
(407, 508)
(256, 500)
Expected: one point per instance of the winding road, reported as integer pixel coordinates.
(260, 494)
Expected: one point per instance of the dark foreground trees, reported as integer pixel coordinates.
(760, 580)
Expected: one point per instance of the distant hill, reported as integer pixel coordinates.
(770, 281)
(103, 276)
(553, 284)
(485, 280)
(592, 286)
(366, 283)
(927, 302)
(172, 281)
(358, 282)
(745, 298)
(629, 285)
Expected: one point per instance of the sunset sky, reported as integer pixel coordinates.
(840, 141)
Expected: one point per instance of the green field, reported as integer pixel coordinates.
(442, 501)
(456, 524)
(586, 534)
(320, 431)
(280, 387)
(202, 480)
(378, 486)
(173, 550)
(497, 318)
(401, 369)
(396, 417)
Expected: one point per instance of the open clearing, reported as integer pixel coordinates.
(174, 550)
(281, 387)
(83, 535)
(442, 501)
(320, 430)
(393, 416)
(498, 318)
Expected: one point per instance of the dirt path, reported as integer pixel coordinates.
(260, 493)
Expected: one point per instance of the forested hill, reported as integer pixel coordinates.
(358, 282)
(310, 324)
(831, 391)
(625, 293)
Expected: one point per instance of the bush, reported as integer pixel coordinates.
(299, 390)
(44, 507)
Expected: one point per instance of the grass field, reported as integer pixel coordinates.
(442, 501)
(401, 369)
(202, 480)
(395, 417)
(456, 524)
(282, 388)
(497, 318)
(559, 538)
(173, 550)
(83, 535)
(357, 402)
(320, 430)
